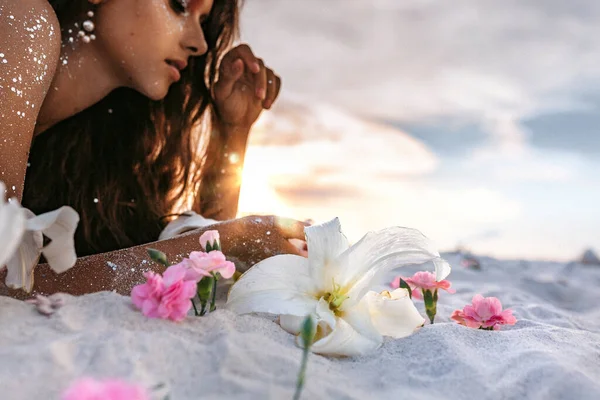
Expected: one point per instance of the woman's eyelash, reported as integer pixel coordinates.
(180, 6)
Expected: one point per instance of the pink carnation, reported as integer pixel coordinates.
(202, 264)
(167, 296)
(210, 237)
(484, 313)
(91, 389)
(423, 280)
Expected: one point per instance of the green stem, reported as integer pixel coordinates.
(307, 334)
(214, 294)
(301, 374)
(195, 309)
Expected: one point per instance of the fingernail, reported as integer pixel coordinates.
(256, 67)
(261, 93)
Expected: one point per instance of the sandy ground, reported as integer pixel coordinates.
(553, 352)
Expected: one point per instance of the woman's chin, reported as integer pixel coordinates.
(156, 91)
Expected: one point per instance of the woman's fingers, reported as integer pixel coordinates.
(300, 245)
(260, 81)
(244, 52)
(290, 228)
(273, 87)
(229, 73)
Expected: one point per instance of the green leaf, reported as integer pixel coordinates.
(404, 285)
(158, 256)
(430, 304)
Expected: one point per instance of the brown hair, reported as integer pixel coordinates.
(126, 162)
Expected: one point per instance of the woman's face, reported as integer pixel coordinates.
(147, 42)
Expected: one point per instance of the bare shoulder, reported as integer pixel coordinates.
(29, 51)
(29, 22)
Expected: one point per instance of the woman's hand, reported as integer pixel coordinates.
(251, 239)
(245, 87)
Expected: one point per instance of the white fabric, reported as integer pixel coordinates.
(184, 223)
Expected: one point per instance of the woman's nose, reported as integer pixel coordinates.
(195, 42)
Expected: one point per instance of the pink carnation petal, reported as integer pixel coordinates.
(90, 389)
(227, 269)
(484, 313)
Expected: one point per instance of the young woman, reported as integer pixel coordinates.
(127, 111)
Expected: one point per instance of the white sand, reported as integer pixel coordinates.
(552, 353)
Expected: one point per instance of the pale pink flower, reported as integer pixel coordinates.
(167, 297)
(47, 305)
(484, 313)
(112, 389)
(212, 238)
(202, 264)
(423, 280)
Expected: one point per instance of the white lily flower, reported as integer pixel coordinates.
(22, 241)
(334, 284)
(12, 226)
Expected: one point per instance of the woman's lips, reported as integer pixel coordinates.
(174, 72)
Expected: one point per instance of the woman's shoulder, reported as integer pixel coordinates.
(27, 26)
(30, 45)
(29, 51)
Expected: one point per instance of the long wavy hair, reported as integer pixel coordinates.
(125, 163)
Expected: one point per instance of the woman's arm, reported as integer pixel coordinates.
(221, 181)
(244, 241)
(246, 87)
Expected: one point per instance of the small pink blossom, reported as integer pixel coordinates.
(112, 389)
(423, 280)
(202, 264)
(47, 305)
(212, 238)
(167, 297)
(484, 313)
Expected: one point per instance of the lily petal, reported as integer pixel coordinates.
(377, 253)
(24, 260)
(59, 225)
(12, 226)
(393, 314)
(324, 317)
(326, 243)
(291, 323)
(344, 340)
(324, 314)
(359, 317)
(276, 285)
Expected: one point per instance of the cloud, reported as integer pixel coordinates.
(480, 84)
(487, 62)
(370, 175)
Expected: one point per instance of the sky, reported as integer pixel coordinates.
(474, 121)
